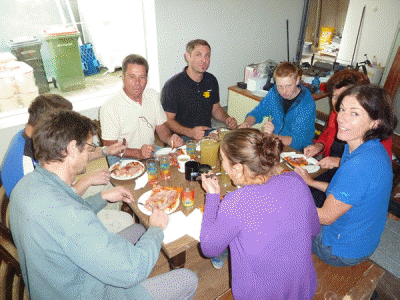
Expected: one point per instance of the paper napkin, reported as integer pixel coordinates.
(176, 227)
(193, 224)
(180, 225)
(141, 181)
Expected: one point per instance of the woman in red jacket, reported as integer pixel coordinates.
(327, 143)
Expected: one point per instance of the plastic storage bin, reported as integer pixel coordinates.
(27, 49)
(17, 86)
(90, 64)
(66, 60)
(6, 57)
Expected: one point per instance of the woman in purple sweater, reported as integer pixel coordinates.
(268, 224)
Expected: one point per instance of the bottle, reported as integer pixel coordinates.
(374, 61)
(188, 194)
(316, 83)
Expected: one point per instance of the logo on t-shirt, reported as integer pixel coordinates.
(206, 94)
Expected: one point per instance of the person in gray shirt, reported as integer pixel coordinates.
(65, 252)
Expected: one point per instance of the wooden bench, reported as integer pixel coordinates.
(356, 282)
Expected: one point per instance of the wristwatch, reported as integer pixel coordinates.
(103, 150)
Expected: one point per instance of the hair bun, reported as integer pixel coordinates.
(270, 149)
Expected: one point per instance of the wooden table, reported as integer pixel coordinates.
(176, 251)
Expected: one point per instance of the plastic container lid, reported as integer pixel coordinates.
(23, 41)
(60, 30)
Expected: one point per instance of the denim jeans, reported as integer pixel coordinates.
(223, 255)
(176, 284)
(325, 254)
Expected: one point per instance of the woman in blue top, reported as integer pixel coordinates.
(355, 210)
(291, 107)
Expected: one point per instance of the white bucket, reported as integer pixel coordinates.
(8, 88)
(24, 78)
(9, 104)
(6, 57)
(375, 74)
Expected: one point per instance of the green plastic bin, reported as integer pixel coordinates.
(66, 61)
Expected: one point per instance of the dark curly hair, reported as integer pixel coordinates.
(344, 78)
(375, 101)
(250, 147)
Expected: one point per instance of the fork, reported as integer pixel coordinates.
(123, 151)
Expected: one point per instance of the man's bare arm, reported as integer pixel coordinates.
(221, 115)
(195, 133)
(165, 135)
(129, 152)
(248, 122)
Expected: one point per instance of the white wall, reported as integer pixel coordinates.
(240, 32)
(378, 30)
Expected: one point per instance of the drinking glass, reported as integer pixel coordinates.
(209, 152)
(191, 149)
(225, 179)
(165, 166)
(222, 132)
(152, 170)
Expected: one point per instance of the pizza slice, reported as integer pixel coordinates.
(173, 157)
(164, 198)
(129, 170)
(296, 161)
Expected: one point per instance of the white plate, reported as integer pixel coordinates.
(167, 150)
(311, 160)
(162, 151)
(184, 147)
(146, 196)
(260, 93)
(124, 163)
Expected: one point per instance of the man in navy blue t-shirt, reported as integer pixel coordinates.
(191, 97)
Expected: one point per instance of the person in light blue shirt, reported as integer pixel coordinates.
(290, 108)
(355, 210)
(64, 251)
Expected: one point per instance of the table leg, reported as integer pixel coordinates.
(178, 261)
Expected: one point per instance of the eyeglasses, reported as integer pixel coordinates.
(146, 121)
(92, 147)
